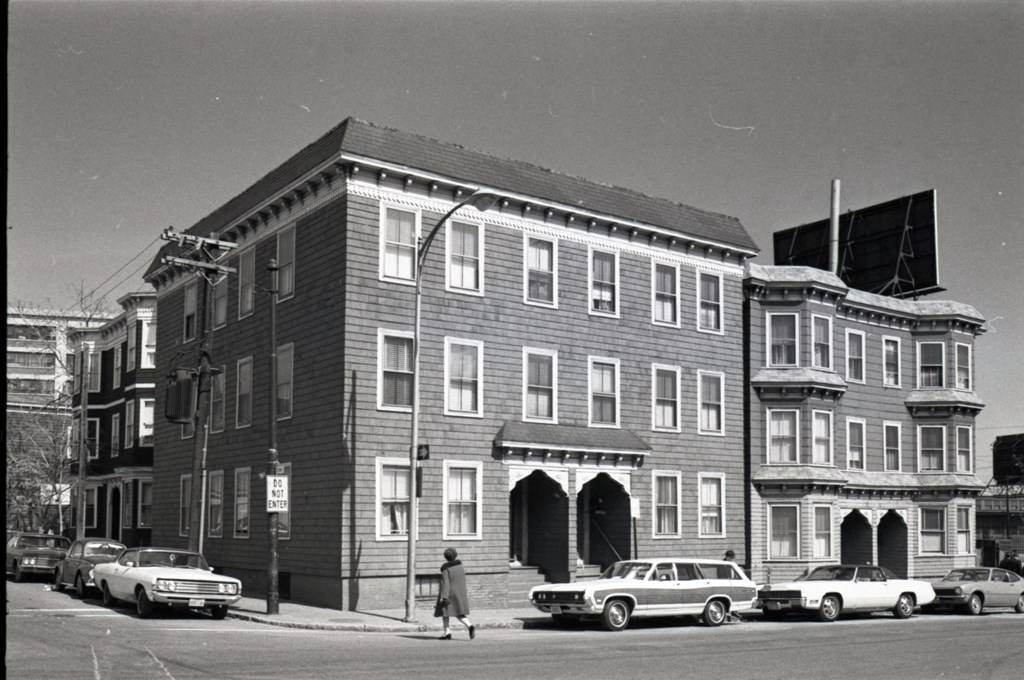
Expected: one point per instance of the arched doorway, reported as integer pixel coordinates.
(855, 537)
(603, 521)
(892, 543)
(539, 525)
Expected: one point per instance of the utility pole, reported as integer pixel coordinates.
(83, 442)
(273, 597)
(200, 259)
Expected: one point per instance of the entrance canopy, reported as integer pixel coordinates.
(563, 444)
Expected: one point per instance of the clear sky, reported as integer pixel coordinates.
(127, 117)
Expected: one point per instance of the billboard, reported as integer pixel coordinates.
(890, 248)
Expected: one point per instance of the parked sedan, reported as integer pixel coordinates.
(34, 554)
(76, 569)
(976, 588)
(831, 590)
(166, 577)
(651, 587)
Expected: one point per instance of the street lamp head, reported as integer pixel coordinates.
(483, 200)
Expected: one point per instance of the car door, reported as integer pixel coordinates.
(119, 581)
(69, 565)
(873, 590)
(998, 587)
(690, 587)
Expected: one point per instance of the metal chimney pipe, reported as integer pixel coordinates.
(833, 231)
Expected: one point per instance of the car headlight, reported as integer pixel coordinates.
(166, 584)
(227, 588)
(29, 561)
(959, 590)
(91, 574)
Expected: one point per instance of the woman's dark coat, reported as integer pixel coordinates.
(453, 590)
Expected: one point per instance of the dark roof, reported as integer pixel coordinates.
(569, 438)
(360, 138)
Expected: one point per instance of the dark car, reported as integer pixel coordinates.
(976, 588)
(75, 570)
(34, 554)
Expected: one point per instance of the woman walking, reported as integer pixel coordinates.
(453, 600)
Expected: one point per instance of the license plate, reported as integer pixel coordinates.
(555, 609)
(196, 603)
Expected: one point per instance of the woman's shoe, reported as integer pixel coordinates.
(472, 632)
(446, 636)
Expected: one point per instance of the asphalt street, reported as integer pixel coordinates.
(51, 635)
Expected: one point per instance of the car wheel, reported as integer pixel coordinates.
(1019, 607)
(57, 585)
(975, 605)
(616, 615)
(143, 605)
(904, 606)
(79, 587)
(108, 599)
(219, 611)
(830, 608)
(19, 575)
(714, 613)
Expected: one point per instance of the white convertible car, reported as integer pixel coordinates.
(157, 577)
(837, 588)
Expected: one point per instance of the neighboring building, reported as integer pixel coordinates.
(861, 427)
(39, 414)
(581, 383)
(119, 389)
(1001, 508)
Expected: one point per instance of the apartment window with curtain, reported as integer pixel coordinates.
(285, 380)
(220, 303)
(822, 330)
(541, 285)
(712, 505)
(711, 403)
(286, 263)
(539, 371)
(127, 503)
(191, 314)
(604, 392)
(90, 507)
(394, 370)
(146, 421)
(709, 290)
(243, 393)
(243, 478)
(132, 335)
(784, 530)
(855, 444)
(92, 438)
(665, 397)
(184, 504)
(145, 504)
(115, 434)
(666, 294)
(604, 281)
(393, 499)
(464, 377)
(129, 424)
(398, 245)
(783, 446)
(893, 434)
(891, 361)
(667, 504)
(95, 366)
(964, 449)
(148, 344)
(246, 282)
(932, 448)
(218, 384)
(465, 257)
(854, 356)
(822, 454)
(462, 500)
(964, 544)
(822, 531)
(933, 530)
(783, 343)
(215, 503)
(116, 373)
(963, 367)
(930, 364)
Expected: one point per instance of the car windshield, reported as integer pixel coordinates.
(833, 573)
(169, 558)
(967, 575)
(632, 570)
(98, 549)
(44, 542)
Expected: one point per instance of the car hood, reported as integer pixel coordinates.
(172, 573)
(42, 552)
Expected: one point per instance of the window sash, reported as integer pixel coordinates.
(285, 381)
(783, 339)
(463, 378)
(246, 282)
(399, 244)
(822, 342)
(666, 295)
(243, 480)
(822, 531)
(190, 314)
(286, 263)
(710, 318)
(243, 401)
(782, 435)
(711, 506)
(464, 256)
(822, 424)
(220, 303)
(215, 496)
(462, 501)
(855, 445)
(130, 359)
(964, 544)
(931, 364)
(540, 386)
(785, 532)
(933, 448)
(394, 500)
(891, 351)
(854, 356)
(711, 404)
(603, 393)
(540, 271)
(145, 504)
(397, 371)
(666, 398)
(666, 502)
(603, 286)
(963, 367)
(933, 530)
(964, 449)
(893, 447)
(115, 434)
(217, 400)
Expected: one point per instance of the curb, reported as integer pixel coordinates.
(366, 627)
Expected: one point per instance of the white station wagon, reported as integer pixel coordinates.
(672, 586)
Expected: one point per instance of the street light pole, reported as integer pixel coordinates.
(273, 597)
(481, 200)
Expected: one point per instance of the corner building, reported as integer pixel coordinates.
(861, 412)
(581, 374)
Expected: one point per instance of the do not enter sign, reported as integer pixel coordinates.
(277, 493)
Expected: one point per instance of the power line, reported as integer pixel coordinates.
(123, 267)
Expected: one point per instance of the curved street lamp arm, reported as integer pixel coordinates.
(481, 200)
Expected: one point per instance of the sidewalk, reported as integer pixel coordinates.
(293, 615)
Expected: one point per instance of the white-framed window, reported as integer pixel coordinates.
(463, 377)
(92, 438)
(821, 340)
(218, 384)
(184, 504)
(285, 380)
(712, 505)
(710, 402)
(603, 388)
(284, 519)
(127, 503)
(286, 263)
(891, 362)
(90, 507)
(393, 497)
(665, 294)
(822, 547)
(854, 356)
(145, 503)
(243, 393)
(463, 511)
(540, 385)
(398, 244)
(784, 530)
(190, 316)
(823, 440)
(540, 271)
(243, 481)
(132, 340)
(709, 302)
(148, 344)
(246, 282)
(783, 442)
(964, 544)
(115, 434)
(783, 339)
(667, 506)
(964, 448)
(465, 257)
(95, 371)
(146, 422)
(604, 283)
(964, 379)
(855, 445)
(129, 424)
(931, 448)
(116, 374)
(892, 434)
(220, 303)
(215, 504)
(933, 531)
(665, 398)
(394, 370)
(931, 364)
